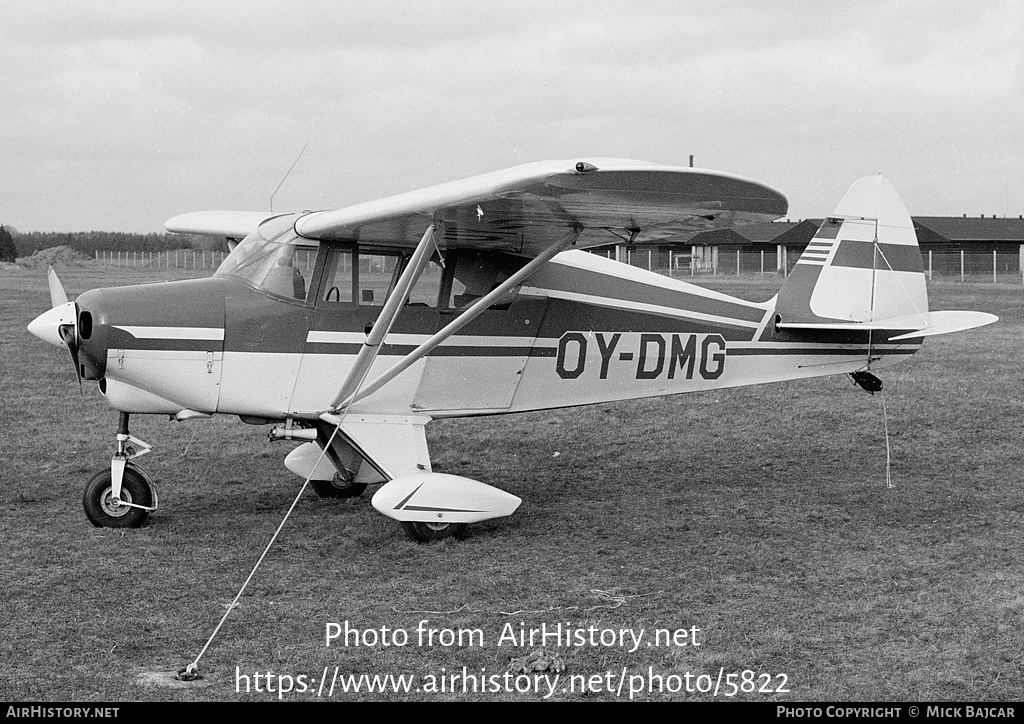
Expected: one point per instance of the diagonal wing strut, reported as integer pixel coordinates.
(386, 319)
(350, 393)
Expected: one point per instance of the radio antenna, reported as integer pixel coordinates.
(286, 176)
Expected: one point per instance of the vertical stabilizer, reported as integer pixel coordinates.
(863, 265)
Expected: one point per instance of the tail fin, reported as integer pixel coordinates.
(863, 271)
(862, 266)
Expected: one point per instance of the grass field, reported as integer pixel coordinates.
(759, 515)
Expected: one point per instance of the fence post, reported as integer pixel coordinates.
(961, 265)
(993, 266)
(762, 262)
(737, 262)
(929, 265)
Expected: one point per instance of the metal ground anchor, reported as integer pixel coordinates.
(189, 673)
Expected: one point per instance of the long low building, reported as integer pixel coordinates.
(950, 246)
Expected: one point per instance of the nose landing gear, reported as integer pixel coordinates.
(124, 495)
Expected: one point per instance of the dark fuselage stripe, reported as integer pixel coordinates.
(861, 352)
(442, 351)
(571, 279)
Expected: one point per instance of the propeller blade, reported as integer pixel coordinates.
(68, 334)
(57, 294)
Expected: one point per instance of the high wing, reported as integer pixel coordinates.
(231, 225)
(526, 209)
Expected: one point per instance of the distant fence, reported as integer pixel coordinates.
(1003, 266)
(979, 266)
(179, 259)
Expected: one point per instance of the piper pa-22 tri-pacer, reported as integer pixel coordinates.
(350, 330)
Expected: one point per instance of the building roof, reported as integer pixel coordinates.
(931, 231)
(973, 228)
(799, 234)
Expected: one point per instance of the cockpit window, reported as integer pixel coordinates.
(273, 259)
(476, 274)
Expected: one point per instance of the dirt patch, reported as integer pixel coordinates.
(55, 255)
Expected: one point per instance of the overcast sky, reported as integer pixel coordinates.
(119, 115)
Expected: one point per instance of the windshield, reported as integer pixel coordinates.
(273, 259)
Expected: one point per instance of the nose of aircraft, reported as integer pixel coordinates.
(66, 324)
(47, 326)
(158, 320)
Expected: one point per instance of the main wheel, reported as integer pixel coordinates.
(426, 532)
(337, 488)
(102, 513)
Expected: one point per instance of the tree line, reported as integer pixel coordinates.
(89, 242)
(8, 250)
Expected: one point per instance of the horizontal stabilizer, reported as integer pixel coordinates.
(926, 324)
(950, 321)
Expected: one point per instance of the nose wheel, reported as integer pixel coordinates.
(128, 510)
(121, 496)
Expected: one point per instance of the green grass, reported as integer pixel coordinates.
(760, 515)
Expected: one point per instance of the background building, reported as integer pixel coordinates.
(951, 246)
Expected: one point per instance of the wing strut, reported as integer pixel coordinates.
(386, 319)
(345, 398)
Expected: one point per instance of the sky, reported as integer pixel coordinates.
(116, 115)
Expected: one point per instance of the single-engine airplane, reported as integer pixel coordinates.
(350, 330)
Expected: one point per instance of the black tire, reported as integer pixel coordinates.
(427, 532)
(135, 489)
(337, 488)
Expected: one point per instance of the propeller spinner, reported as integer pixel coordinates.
(59, 325)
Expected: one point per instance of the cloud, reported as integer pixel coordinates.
(208, 103)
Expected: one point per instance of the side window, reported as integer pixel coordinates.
(427, 290)
(377, 275)
(338, 277)
(476, 274)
